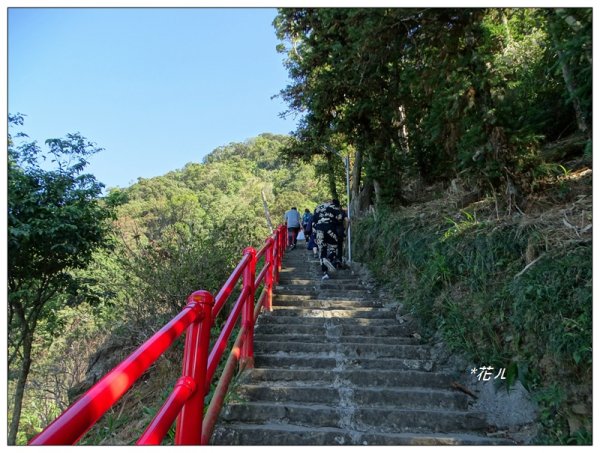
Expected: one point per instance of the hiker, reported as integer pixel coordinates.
(325, 222)
(307, 226)
(292, 220)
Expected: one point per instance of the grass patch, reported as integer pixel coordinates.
(508, 293)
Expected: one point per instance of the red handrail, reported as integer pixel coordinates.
(186, 401)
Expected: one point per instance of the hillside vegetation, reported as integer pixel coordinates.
(172, 235)
(511, 292)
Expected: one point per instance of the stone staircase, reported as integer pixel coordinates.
(334, 367)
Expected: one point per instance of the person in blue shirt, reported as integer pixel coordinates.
(307, 226)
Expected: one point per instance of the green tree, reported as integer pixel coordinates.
(436, 94)
(55, 222)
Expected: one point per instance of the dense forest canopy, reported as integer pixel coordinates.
(435, 94)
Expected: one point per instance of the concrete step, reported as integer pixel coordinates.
(309, 338)
(331, 361)
(323, 284)
(355, 377)
(314, 278)
(288, 434)
(331, 393)
(323, 292)
(299, 268)
(373, 419)
(324, 303)
(305, 271)
(274, 318)
(330, 329)
(356, 312)
(347, 350)
(341, 296)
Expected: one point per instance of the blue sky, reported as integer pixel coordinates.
(156, 87)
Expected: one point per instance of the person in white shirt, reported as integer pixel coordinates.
(292, 220)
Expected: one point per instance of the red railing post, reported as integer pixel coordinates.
(276, 255)
(195, 357)
(282, 249)
(270, 263)
(247, 358)
(275, 251)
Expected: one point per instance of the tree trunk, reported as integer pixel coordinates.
(356, 173)
(580, 115)
(576, 26)
(364, 200)
(377, 190)
(20, 390)
(571, 88)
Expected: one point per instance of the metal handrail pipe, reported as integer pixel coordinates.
(162, 421)
(262, 251)
(216, 402)
(221, 343)
(262, 275)
(74, 422)
(195, 359)
(227, 288)
(261, 301)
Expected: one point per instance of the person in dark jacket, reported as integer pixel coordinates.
(325, 222)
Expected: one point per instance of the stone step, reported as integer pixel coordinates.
(368, 298)
(314, 277)
(301, 271)
(297, 269)
(287, 434)
(310, 338)
(336, 393)
(355, 377)
(323, 284)
(274, 318)
(324, 303)
(331, 362)
(296, 261)
(330, 329)
(348, 350)
(357, 312)
(322, 292)
(376, 419)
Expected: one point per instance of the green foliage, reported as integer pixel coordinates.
(437, 92)
(555, 296)
(186, 230)
(173, 234)
(466, 279)
(56, 221)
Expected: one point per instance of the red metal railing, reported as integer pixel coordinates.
(186, 401)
